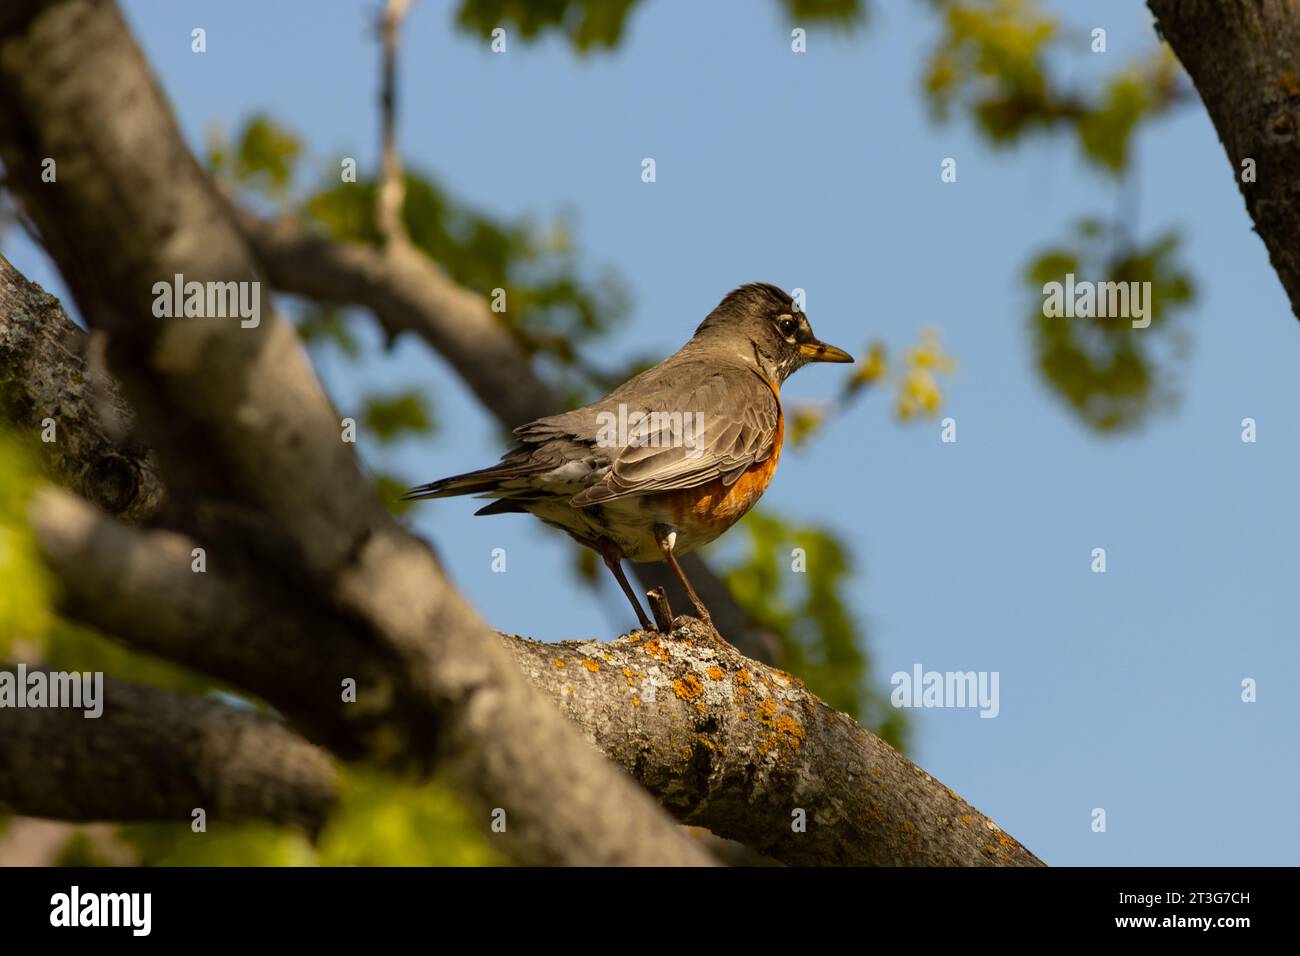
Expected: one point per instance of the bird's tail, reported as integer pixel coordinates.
(483, 481)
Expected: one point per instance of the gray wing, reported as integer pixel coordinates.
(727, 422)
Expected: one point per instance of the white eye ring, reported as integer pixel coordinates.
(781, 320)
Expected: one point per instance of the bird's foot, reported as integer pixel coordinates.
(686, 620)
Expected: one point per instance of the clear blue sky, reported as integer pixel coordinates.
(1119, 691)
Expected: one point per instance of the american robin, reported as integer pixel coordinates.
(672, 458)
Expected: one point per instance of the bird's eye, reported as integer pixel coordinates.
(787, 325)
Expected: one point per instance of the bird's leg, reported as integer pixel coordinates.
(666, 538)
(614, 563)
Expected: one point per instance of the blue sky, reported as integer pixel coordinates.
(821, 171)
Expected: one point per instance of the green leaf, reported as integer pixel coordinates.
(265, 156)
(390, 489)
(1112, 376)
(392, 416)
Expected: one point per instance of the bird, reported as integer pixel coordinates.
(672, 458)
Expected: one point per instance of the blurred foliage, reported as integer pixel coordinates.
(385, 821)
(820, 642)
(320, 323)
(27, 592)
(586, 24)
(599, 24)
(380, 821)
(390, 489)
(389, 416)
(261, 159)
(1111, 374)
(917, 390)
(992, 62)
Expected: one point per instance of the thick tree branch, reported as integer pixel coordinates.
(748, 751)
(238, 419)
(722, 741)
(156, 755)
(1244, 57)
(44, 375)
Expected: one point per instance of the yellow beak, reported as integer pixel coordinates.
(821, 352)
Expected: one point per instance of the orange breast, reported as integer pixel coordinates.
(710, 509)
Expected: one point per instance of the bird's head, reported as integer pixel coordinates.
(762, 324)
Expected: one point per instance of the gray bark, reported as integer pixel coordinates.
(722, 741)
(44, 374)
(1244, 57)
(156, 755)
(246, 437)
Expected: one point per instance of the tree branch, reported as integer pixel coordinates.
(391, 195)
(1244, 57)
(238, 419)
(721, 741)
(156, 755)
(739, 747)
(44, 374)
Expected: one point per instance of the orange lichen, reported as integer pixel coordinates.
(557, 662)
(742, 676)
(688, 688)
(768, 707)
(636, 701)
(715, 672)
(965, 818)
(591, 666)
(656, 650)
(788, 725)
(1289, 83)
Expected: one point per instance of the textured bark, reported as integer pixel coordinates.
(739, 747)
(247, 439)
(721, 741)
(1244, 57)
(44, 374)
(155, 755)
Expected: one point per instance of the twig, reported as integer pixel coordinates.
(661, 609)
(391, 194)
